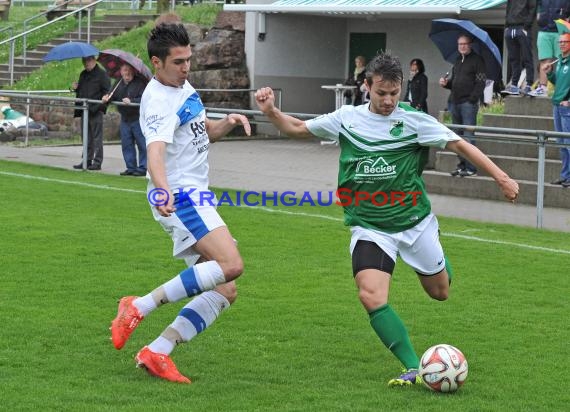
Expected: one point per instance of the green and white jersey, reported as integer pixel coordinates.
(381, 162)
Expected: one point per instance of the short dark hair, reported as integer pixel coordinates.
(467, 36)
(420, 64)
(385, 65)
(164, 37)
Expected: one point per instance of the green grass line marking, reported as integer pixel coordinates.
(286, 212)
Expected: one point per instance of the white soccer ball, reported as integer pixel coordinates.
(443, 368)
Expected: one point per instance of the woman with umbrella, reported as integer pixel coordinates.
(129, 89)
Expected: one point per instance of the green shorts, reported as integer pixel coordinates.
(547, 44)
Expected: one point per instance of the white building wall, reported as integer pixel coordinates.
(300, 53)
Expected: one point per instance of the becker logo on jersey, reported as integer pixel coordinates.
(374, 169)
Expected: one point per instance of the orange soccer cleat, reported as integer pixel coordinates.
(160, 365)
(128, 318)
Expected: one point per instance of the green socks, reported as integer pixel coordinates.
(449, 269)
(393, 334)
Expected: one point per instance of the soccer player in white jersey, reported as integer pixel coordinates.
(178, 135)
(383, 149)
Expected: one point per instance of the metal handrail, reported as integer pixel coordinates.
(13, 39)
(65, 101)
(540, 139)
(506, 130)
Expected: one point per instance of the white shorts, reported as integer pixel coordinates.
(419, 246)
(188, 225)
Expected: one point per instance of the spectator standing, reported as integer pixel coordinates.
(93, 84)
(417, 90)
(467, 83)
(129, 89)
(547, 39)
(357, 79)
(561, 104)
(519, 18)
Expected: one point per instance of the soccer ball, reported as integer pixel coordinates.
(443, 368)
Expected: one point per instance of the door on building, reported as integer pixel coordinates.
(365, 44)
(496, 33)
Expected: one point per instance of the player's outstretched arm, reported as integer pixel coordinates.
(163, 199)
(220, 128)
(508, 186)
(291, 126)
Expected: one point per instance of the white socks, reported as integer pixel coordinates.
(196, 316)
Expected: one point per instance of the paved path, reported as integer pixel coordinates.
(287, 165)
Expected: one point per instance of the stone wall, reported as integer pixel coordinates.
(218, 62)
(58, 116)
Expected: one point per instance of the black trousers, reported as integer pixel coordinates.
(94, 138)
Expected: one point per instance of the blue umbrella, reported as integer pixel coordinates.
(70, 50)
(444, 33)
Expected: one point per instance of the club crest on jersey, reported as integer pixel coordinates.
(374, 169)
(397, 128)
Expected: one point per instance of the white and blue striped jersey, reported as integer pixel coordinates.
(176, 116)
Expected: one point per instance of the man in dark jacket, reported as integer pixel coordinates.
(467, 82)
(93, 84)
(129, 89)
(518, 36)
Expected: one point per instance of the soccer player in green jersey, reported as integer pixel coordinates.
(384, 147)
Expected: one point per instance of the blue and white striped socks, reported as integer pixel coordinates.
(190, 282)
(196, 316)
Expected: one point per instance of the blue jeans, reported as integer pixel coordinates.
(562, 124)
(466, 114)
(131, 133)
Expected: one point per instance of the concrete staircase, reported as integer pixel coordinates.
(109, 25)
(517, 159)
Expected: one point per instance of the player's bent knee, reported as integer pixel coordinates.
(439, 293)
(371, 299)
(232, 269)
(436, 285)
(229, 291)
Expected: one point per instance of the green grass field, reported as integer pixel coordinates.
(296, 339)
